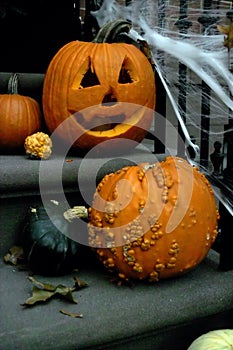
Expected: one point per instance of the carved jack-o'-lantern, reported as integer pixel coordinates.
(106, 90)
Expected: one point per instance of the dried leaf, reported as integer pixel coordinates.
(40, 285)
(42, 292)
(77, 212)
(71, 314)
(38, 295)
(66, 293)
(79, 283)
(228, 30)
(14, 255)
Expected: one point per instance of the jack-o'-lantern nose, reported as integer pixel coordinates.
(109, 99)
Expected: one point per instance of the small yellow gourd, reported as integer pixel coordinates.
(38, 146)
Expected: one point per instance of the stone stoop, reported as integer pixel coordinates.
(166, 315)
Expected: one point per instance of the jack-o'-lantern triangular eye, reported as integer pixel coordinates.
(89, 79)
(124, 76)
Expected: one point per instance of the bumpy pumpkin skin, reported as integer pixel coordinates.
(159, 224)
(20, 116)
(84, 76)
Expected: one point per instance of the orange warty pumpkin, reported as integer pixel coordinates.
(153, 221)
(20, 116)
(92, 83)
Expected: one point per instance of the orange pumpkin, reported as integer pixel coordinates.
(20, 116)
(153, 221)
(91, 83)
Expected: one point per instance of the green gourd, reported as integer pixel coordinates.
(48, 250)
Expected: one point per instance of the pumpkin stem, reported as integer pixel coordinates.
(76, 212)
(111, 30)
(13, 84)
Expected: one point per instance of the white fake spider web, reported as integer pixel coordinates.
(200, 49)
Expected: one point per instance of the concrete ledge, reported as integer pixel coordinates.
(21, 176)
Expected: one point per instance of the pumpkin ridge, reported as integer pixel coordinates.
(19, 118)
(54, 64)
(128, 48)
(25, 107)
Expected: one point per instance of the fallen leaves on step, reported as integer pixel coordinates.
(14, 256)
(42, 292)
(71, 314)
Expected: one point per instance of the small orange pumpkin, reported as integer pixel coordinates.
(20, 116)
(92, 83)
(153, 221)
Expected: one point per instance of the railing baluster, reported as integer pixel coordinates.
(76, 19)
(205, 100)
(90, 26)
(207, 21)
(183, 24)
(226, 258)
(160, 128)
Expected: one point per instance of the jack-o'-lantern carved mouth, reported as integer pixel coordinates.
(100, 119)
(100, 123)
